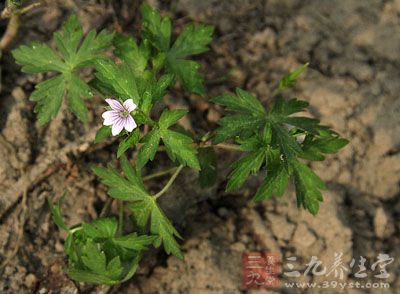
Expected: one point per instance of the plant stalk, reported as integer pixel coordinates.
(169, 183)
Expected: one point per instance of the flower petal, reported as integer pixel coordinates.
(130, 124)
(130, 105)
(114, 104)
(117, 127)
(110, 117)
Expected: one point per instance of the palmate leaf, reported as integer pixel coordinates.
(193, 40)
(98, 255)
(160, 226)
(96, 266)
(74, 52)
(272, 137)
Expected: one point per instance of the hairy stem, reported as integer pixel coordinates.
(170, 182)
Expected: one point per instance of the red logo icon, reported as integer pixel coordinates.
(260, 270)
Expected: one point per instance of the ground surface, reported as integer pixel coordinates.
(353, 48)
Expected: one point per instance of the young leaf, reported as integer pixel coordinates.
(290, 79)
(56, 214)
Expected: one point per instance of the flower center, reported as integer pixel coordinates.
(124, 113)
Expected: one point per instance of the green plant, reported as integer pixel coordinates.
(274, 140)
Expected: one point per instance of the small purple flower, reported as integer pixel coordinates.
(119, 117)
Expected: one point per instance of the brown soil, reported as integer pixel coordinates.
(353, 85)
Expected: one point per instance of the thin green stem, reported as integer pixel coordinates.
(159, 174)
(121, 218)
(169, 183)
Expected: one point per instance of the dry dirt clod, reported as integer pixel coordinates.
(383, 223)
